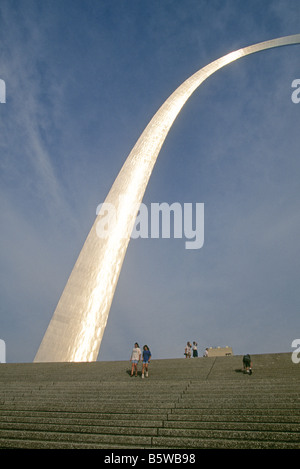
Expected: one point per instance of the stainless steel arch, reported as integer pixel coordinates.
(77, 325)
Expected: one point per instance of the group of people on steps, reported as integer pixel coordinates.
(136, 356)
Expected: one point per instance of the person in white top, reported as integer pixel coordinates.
(135, 358)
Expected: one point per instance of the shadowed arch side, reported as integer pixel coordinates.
(78, 323)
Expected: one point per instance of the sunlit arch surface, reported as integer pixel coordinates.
(78, 323)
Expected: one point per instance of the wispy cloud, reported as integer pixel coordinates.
(32, 106)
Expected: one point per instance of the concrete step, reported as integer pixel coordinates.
(228, 413)
(65, 428)
(7, 438)
(102, 425)
(217, 443)
(123, 420)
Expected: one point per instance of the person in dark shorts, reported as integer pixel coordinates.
(195, 349)
(146, 360)
(247, 364)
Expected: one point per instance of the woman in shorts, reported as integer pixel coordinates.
(135, 358)
(146, 360)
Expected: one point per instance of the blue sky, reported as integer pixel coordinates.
(83, 79)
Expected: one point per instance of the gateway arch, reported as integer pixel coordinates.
(75, 331)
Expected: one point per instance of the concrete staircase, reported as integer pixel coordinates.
(195, 403)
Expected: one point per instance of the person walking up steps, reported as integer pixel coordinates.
(146, 360)
(247, 364)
